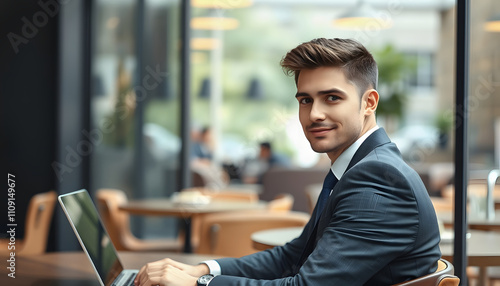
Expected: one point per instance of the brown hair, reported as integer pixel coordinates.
(353, 58)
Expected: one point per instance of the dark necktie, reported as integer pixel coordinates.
(328, 185)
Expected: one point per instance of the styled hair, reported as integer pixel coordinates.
(350, 56)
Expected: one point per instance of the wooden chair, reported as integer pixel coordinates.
(281, 203)
(442, 204)
(312, 194)
(215, 195)
(494, 275)
(37, 226)
(118, 225)
(442, 277)
(229, 233)
(293, 181)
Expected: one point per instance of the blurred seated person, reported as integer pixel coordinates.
(214, 177)
(255, 168)
(202, 147)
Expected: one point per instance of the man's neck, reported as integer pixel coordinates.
(339, 166)
(370, 123)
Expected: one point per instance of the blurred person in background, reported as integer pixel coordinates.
(255, 168)
(212, 174)
(202, 146)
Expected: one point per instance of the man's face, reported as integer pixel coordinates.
(329, 110)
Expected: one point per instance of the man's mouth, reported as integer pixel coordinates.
(320, 131)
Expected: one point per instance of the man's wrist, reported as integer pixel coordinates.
(202, 269)
(213, 266)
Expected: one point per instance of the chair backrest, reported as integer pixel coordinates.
(38, 219)
(442, 277)
(197, 179)
(443, 204)
(281, 203)
(293, 181)
(117, 223)
(312, 194)
(229, 233)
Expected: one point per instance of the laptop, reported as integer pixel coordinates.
(94, 239)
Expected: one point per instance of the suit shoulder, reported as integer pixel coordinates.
(385, 155)
(385, 165)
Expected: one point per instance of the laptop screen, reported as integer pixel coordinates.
(84, 218)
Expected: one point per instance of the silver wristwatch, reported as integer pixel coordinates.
(204, 280)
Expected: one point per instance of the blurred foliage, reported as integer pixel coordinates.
(254, 50)
(444, 121)
(394, 67)
(120, 121)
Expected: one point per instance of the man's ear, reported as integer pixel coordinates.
(370, 100)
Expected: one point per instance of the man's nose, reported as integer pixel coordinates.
(317, 112)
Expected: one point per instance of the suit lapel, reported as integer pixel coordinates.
(379, 137)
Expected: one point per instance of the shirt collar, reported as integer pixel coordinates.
(340, 165)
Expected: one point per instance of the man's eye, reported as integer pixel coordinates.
(305, 100)
(333, 98)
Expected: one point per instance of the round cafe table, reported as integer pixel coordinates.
(269, 238)
(186, 211)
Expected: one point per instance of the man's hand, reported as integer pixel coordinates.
(169, 272)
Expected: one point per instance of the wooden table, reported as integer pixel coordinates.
(473, 223)
(168, 207)
(74, 268)
(270, 238)
(483, 247)
(483, 250)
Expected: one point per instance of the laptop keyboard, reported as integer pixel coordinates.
(130, 280)
(127, 280)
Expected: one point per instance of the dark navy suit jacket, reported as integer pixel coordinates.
(378, 228)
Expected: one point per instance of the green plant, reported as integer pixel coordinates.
(393, 67)
(443, 122)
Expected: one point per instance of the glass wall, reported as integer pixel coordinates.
(135, 102)
(484, 96)
(240, 92)
(405, 39)
(113, 100)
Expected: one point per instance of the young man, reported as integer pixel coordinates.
(374, 223)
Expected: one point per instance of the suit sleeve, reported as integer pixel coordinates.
(373, 219)
(269, 264)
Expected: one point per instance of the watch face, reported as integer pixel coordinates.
(203, 280)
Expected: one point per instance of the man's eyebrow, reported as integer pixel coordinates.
(322, 92)
(333, 90)
(299, 94)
